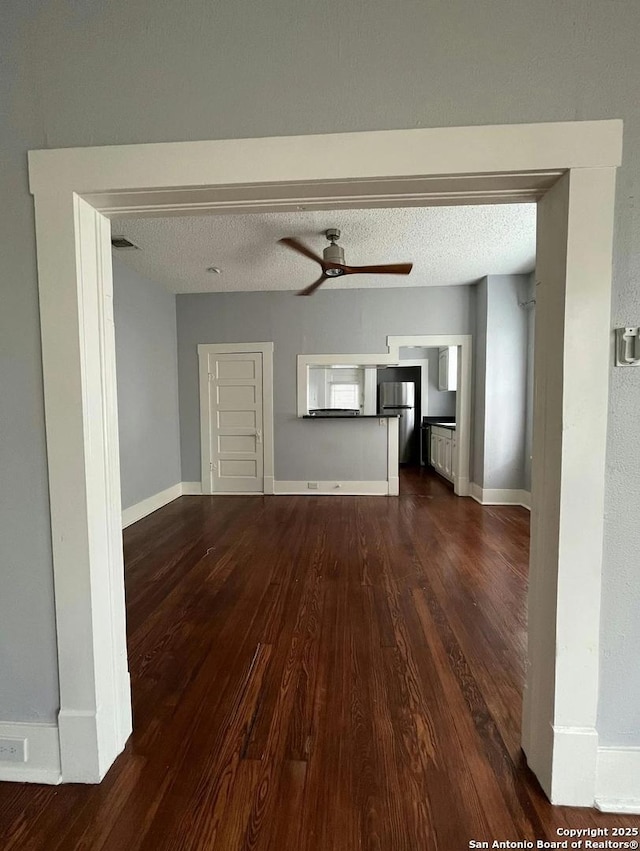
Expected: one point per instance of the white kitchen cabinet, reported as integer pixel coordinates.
(444, 452)
(448, 368)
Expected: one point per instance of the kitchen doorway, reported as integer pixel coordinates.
(431, 466)
(441, 434)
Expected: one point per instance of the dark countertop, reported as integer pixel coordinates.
(349, 417)
(447, 422)
(439, 420)
(442, 422)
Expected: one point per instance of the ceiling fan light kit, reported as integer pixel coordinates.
(333, 253)
(333, 263)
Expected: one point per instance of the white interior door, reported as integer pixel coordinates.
(235, 422)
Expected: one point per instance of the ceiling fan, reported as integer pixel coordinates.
(333, 265)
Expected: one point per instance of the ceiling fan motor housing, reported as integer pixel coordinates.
(333, 253)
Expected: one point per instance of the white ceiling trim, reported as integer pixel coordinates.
(425, 191)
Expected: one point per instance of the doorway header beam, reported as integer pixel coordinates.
(521, 148)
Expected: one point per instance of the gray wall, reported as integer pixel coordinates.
(529, 290)
(331, 321)
(479, 382)
(500, 418)
(140, 71)
(28, 654)
(147, 374)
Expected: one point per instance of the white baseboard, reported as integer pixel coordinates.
(485, 496)
(235, 493)
(461, 485)
(150, 504)
(88, 755)
(42, 764)
(333, 488)
(618, 780)
(500, 496)
(195, 489)
(573, 773)
(191, 488)
(582, 774)
(475, 492)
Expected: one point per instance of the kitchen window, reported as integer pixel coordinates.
(342, 395)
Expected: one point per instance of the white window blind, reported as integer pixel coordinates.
(344, 395)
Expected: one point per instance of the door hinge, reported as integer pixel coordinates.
(211, 466)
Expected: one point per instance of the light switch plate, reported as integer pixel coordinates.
(628, 346)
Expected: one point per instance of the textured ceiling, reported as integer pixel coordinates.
(448, 246)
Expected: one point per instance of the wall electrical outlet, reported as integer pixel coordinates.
(313, 486)
(13, 750)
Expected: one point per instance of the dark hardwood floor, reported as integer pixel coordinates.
(315, 673)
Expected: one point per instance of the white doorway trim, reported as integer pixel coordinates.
(572, 164)
(266, 350)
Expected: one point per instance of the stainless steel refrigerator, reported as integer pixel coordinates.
(398, 397)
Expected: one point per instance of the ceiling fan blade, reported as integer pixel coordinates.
(388, 269)
(300, 248)
(313, 287)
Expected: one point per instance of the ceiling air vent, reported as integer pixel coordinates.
(122, 242)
